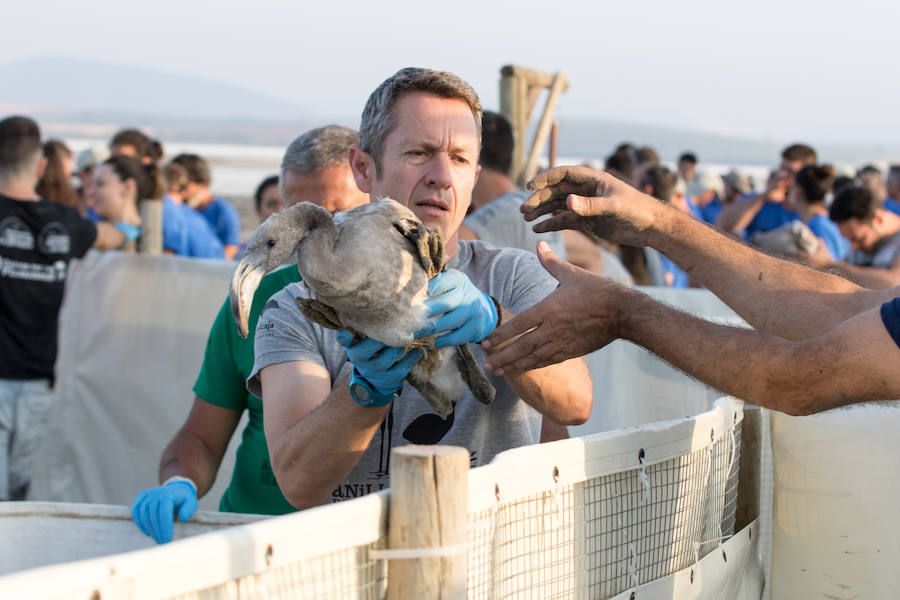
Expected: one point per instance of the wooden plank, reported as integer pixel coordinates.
(749, 467)
(543, 130)
(429, 501)
(151, 240)
(531, 76)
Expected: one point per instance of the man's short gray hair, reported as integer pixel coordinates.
(318, 149)
(378, 118)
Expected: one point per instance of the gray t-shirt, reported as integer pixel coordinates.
(883, 257)
(500, 222)
(515, 278)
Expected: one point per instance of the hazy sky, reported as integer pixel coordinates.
(826, 71)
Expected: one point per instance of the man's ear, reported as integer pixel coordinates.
(131, 188)
(41, 167)
(363, 166)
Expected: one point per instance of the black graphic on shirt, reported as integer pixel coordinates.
(428, 428)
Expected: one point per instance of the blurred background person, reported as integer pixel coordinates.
(185, 231)
(218, 212)
(55, 184)
(267, 198)
(874, 236)
(87, 161)
(687, 169)
(706, 200)
(892, 185)
(118, 185)
(807, 199)
(870, 176)
(762, 212)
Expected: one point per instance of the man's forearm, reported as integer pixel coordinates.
(187, 456)
(761, 368)
(315, 455)
(773, 295)
(871, 277)
(737, 215)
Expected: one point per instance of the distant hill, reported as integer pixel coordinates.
(55, 85)
(90, 99)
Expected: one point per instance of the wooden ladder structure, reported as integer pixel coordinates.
(520, 90)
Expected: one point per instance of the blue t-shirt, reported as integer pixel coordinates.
(770, 216)
(174, 231)
(710, 212)
(225, 221)
(826, 229)
(201, 239)
(679, 277)
(892, 205)
(890, 316)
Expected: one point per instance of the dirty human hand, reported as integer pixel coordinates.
(384, 367)
(593, 202)
(154, 509)
(464, 314)
(576, 319)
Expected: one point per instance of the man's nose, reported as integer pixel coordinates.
(439, 171)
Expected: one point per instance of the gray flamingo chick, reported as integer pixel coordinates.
(368, 268)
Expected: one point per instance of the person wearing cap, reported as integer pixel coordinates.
(709, 191)
(85, 163)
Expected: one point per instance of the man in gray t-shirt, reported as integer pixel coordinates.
(334, 406)
(513, 277)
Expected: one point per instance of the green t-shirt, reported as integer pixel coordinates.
(222, 381)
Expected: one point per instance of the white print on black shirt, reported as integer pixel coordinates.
(16, 269)
(14, 233)
(54, 239)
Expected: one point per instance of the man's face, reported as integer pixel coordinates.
(687, 170)
(863, 236)
(269, 202)
(332, 188)
(429, 163)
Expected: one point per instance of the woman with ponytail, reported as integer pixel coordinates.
(119, 184)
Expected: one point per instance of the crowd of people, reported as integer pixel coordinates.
(335, 405)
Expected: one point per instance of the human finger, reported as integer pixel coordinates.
(366, 349)
(444, 282)
(405, 364)
(562, 221)
(385, 359)
(548, 199)
(570, 174)
(444, 303)
(518, 325)
(187, 509)
(521, 355)
(165, 517)
(448, 321)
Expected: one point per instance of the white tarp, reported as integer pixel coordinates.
(132, 332)
(835, 507)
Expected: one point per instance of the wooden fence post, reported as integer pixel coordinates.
(429, 502)
(151, 241)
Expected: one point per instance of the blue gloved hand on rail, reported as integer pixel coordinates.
(464, 313)
(384, 367)
(154, 509)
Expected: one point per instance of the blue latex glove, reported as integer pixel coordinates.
(132, 232)
(384, 367)
(463, 311)
(154, 510)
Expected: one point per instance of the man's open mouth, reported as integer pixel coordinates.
(434, 204)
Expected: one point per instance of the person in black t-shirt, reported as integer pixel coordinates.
(38, 238)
